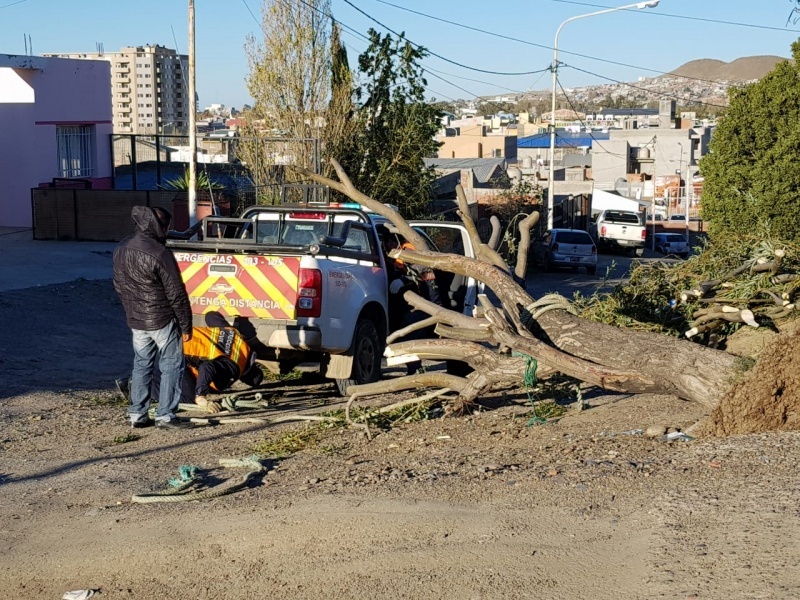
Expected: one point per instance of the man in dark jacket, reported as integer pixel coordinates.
(149, 284)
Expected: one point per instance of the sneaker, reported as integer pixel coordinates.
(146, 422)
(174, 424)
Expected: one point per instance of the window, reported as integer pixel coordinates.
(574, 237)
(622, 217)
(75, 150)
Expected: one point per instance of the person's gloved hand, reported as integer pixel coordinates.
(209, 405)
(398, 285)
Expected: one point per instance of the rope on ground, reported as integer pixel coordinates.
(184, 487)
(529, 379)
(544, 304)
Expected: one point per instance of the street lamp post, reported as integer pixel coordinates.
(551, 194)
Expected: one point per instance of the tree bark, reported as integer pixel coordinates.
(679, 367)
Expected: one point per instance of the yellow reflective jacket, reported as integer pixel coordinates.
(208, 343)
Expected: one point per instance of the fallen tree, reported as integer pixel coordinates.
(495, 343)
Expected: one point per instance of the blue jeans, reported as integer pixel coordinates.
(167, 343)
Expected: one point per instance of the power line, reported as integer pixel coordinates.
(636, 87)
(13, 4)
(686, 17)
(432, 53)
(577, 114)
(356, 33)
(543, 46)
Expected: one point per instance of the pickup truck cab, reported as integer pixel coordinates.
(308, 283)
(619, 229)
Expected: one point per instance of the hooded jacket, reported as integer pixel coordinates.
(147, 278)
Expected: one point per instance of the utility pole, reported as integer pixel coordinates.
(653, 199)
(192, 123)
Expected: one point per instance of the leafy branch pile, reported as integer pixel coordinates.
(736, 280)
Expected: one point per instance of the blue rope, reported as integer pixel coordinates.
(529, 379)
(186, 474)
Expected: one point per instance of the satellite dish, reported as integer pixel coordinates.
(621, 185)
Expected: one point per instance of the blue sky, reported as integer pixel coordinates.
(648, 39)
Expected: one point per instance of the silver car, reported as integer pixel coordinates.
(671, 243)
(566, 248)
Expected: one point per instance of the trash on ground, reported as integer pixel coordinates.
(78, 595)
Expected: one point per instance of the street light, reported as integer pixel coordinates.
(637, 5)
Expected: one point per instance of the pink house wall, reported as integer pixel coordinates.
(66, 92)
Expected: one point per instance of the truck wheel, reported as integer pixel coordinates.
(591, 270)
(548, 263)
(367, 351)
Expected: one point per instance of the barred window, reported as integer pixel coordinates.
(75, 150)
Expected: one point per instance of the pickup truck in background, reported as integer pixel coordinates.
(619, 229)
(308, 283)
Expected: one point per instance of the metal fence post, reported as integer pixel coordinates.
(134, 163)
(113, 163)
(158, 161)
(75, 212)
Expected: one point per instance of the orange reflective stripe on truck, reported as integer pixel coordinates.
(243, 285)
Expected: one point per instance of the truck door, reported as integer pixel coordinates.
(352, 282)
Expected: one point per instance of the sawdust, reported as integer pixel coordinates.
(768, 398)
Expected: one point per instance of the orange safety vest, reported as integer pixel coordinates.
(208, 343)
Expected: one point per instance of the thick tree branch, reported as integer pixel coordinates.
(482, 251)
(525, 227)
(346, 187)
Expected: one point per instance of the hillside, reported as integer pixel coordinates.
(741, 69)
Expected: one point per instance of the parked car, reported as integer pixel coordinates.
(677, 217)
(566, 248)
(618, 229)
(671, 243)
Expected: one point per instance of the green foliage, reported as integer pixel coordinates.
(182, 183)
(751, 172)
(339, 124)
(289, 442)
(125, 439)
(395, 127)
(650, 300)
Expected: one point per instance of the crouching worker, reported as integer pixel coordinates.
(216, 357)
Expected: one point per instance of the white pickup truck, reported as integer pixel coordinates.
(309, 283)
(615, 229)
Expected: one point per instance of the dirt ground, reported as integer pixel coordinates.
(476, 507)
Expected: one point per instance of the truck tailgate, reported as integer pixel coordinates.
(245, 285)
(617, 231)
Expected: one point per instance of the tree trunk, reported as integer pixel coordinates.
(679, 367)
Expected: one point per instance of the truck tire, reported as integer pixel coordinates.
(591, 270)
(367, 352)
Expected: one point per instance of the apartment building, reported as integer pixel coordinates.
(149, 90)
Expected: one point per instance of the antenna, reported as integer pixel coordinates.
(30, 44)
(25, 37)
